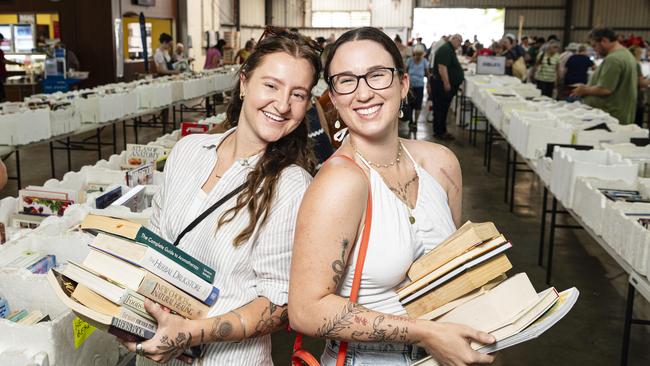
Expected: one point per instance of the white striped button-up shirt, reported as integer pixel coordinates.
(259, 267)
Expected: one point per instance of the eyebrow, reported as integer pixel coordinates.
(283, 83)
(369, 69)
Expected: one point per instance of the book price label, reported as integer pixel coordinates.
(81, 331)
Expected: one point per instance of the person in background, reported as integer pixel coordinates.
(416, 67)
(613, 86)
(547, 69)
(643, 84)
(420, 45)
(214, 55)
(3, 175)
(162, 59)
(242, 55)
(448, 75)
(569, 51)
(71, 60)
(577, 68)
(433, 49)
(322, 42)
(3, 70)
(401, 47)
(466, 47)
(533, 51)
(524, 43)
(512, 52)
(181, 61)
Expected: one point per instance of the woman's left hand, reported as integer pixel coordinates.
(173, 336)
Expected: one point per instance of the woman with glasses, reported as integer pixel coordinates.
(415, 188)
(264, 163)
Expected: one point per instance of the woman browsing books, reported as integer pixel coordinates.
(415, 193)
(248, 239)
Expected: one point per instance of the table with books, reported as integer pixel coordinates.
(530, 134)
(56, 118)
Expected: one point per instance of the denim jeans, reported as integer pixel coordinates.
(372, 354)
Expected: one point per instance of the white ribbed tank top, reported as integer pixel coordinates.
(394, 242)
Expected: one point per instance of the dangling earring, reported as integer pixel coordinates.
(337, 123)
(401, 109)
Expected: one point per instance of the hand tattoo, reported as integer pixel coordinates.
(171, 348)
(333, 327)
(338, 266)
(221, 329)
(270, 320)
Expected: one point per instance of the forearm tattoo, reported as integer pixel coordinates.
(272, 318)
(338, 266)
(450, 179)
(332, 328)
(221, 329)
(382, 328)
(382, 332)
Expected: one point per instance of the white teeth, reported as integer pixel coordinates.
(273, 116)
(366, 111)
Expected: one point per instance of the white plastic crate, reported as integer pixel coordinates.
(24, 126)
(619, 134)
(568, 164)
(48, 343)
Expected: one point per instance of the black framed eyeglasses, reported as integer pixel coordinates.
(271, 31)
(376, 79)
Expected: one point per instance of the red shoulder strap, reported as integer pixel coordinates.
(361, 259)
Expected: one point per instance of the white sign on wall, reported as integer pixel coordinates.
(494, 65)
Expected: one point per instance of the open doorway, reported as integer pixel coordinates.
(432, 23)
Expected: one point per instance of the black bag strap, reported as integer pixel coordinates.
(207, 212)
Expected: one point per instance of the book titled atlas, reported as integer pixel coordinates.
(137, 154)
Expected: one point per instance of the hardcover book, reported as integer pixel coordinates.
(141, 175)
(107, 198)
(137, 154)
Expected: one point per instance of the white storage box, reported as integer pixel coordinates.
(530, 132)
(24, 126)
(48, 343)
(568, 164)
(589, 203)
(625, 234)
(619, 134)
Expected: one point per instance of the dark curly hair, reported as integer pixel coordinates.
(294, 148)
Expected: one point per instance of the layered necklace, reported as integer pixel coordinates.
(401, 190)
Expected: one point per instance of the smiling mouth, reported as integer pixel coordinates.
(273, 117)
(368, 112)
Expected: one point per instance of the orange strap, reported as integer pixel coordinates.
(361, 259)
(300, 355)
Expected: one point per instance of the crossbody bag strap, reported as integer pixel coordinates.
(207, 212)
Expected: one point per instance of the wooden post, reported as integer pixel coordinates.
(521, 28)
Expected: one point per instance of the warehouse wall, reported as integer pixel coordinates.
(543, 18)
(289, 13)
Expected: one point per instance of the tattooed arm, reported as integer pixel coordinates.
(328, 222)
(176, 334)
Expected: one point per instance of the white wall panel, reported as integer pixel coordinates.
(289, 13)
(391, 13)
(339, 5)
(226, 11)
(251, 12)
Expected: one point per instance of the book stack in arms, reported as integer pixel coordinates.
(126, 264)
(512, 312)
(463, 280)
(470, 259)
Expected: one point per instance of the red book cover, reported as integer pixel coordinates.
(189, 128)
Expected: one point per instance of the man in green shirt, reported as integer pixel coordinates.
(613, 87)
(447, 77)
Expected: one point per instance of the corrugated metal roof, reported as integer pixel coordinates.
(486, 3)
(535, 18)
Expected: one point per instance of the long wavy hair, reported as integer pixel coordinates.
(294, 148)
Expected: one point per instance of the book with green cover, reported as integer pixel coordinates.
(141, 234)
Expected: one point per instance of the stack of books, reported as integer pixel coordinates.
(27, 317)
(470, 258)
(126, 264)
(463, 281)
(33, 261)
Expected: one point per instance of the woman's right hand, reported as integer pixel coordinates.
(449, 344)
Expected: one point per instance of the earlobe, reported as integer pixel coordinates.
(242, 83)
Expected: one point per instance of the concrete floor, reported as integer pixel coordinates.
(589, 335)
